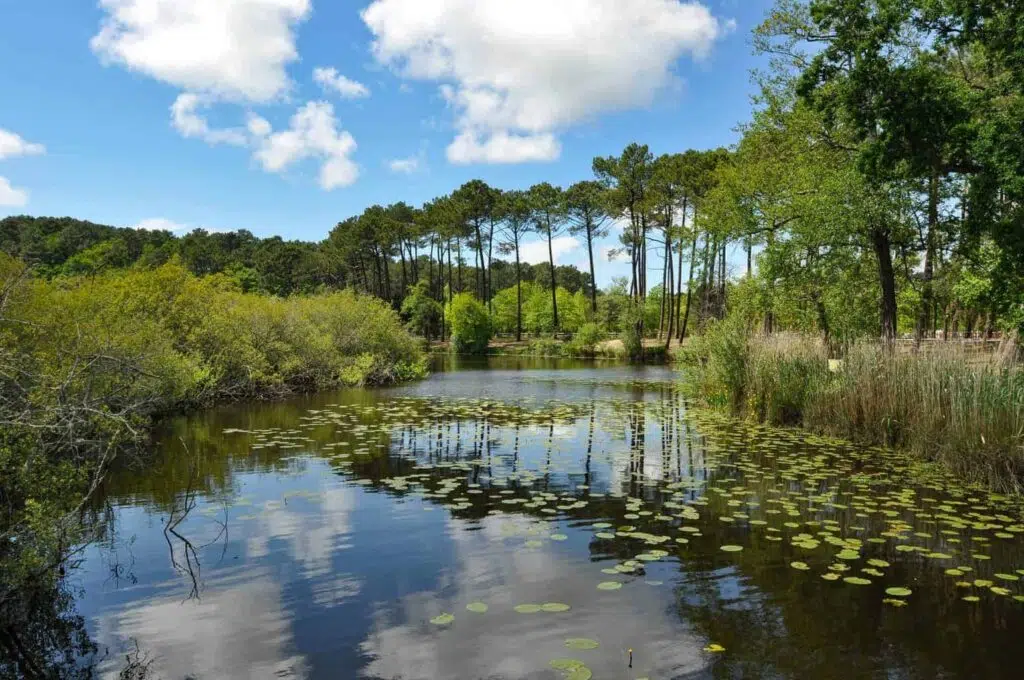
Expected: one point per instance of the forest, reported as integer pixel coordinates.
(875, 192)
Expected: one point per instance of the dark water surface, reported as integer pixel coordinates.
(329, 537)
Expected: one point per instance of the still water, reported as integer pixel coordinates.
(513, 518)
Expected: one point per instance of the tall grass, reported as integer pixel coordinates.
(962, 410)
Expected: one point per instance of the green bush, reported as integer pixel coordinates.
(86, 363)
(546, 347)
(422, 312)
(584, 342)
(470, 325)
(632, 337)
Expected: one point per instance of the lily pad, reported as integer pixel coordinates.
(802, 566)
(527, 608)
(714, 648)
(731, 548)
(477, 607)
(898, 592)
(609, 585)
(581, 643)
(555, 607)
(442, 619)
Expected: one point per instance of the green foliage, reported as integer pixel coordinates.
(947, 406)
(585, 341)
(422, 312)
(470, 324)
(86, 363)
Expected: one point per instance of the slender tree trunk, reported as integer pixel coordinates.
(451, 282)
(458, 256)
(669, 290)
(750, 260)
(887, 280)
(519, 296)
(664, 286)
(722, 279)
(643, 255)
(924, 317)
(593, 279)
(481, 279)
(405, 281)
(679, 272)
(689, 287)
(487, 273)
(554, 283)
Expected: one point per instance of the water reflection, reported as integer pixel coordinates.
(354, 519)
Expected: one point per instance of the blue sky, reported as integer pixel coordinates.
(286, 116)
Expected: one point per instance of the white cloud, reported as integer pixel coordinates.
(501, 147)
(536, 252)
(187, 121)
(164, 224)
(312, 133)
(231, 50)
(11, 197)
(515, 73)
(332, 81)
(405, 166)
(13, 145)
(234, 49)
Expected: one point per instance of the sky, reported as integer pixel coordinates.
(284, 117)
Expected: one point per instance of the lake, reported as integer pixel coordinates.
(521, 518)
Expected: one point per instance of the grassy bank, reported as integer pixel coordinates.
(86, 365)
(613, 349)
(963, 411)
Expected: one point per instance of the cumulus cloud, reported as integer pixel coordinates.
(404, 166)
(312, 133)
(162, 224)
(13, 145)
(231, 51)
(515, 73)
(502, 147)
(332, 81)
(185, 118)
(536, 252)
(11, 197)
(234, 49)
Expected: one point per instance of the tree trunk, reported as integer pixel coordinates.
(519, 296)
(664, 284)
(451, 287)
(554, 283)
(679, 273)
(405, 281)
(458, 256)
(488, 281)
(887, 280)
(689, 286)
(593, 279)
(924, 317)
(669, 289)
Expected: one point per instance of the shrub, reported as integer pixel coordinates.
(470, 325)
(632, 337)
(422, 312)
(585, 341)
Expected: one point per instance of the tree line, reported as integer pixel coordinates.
(876, 190)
